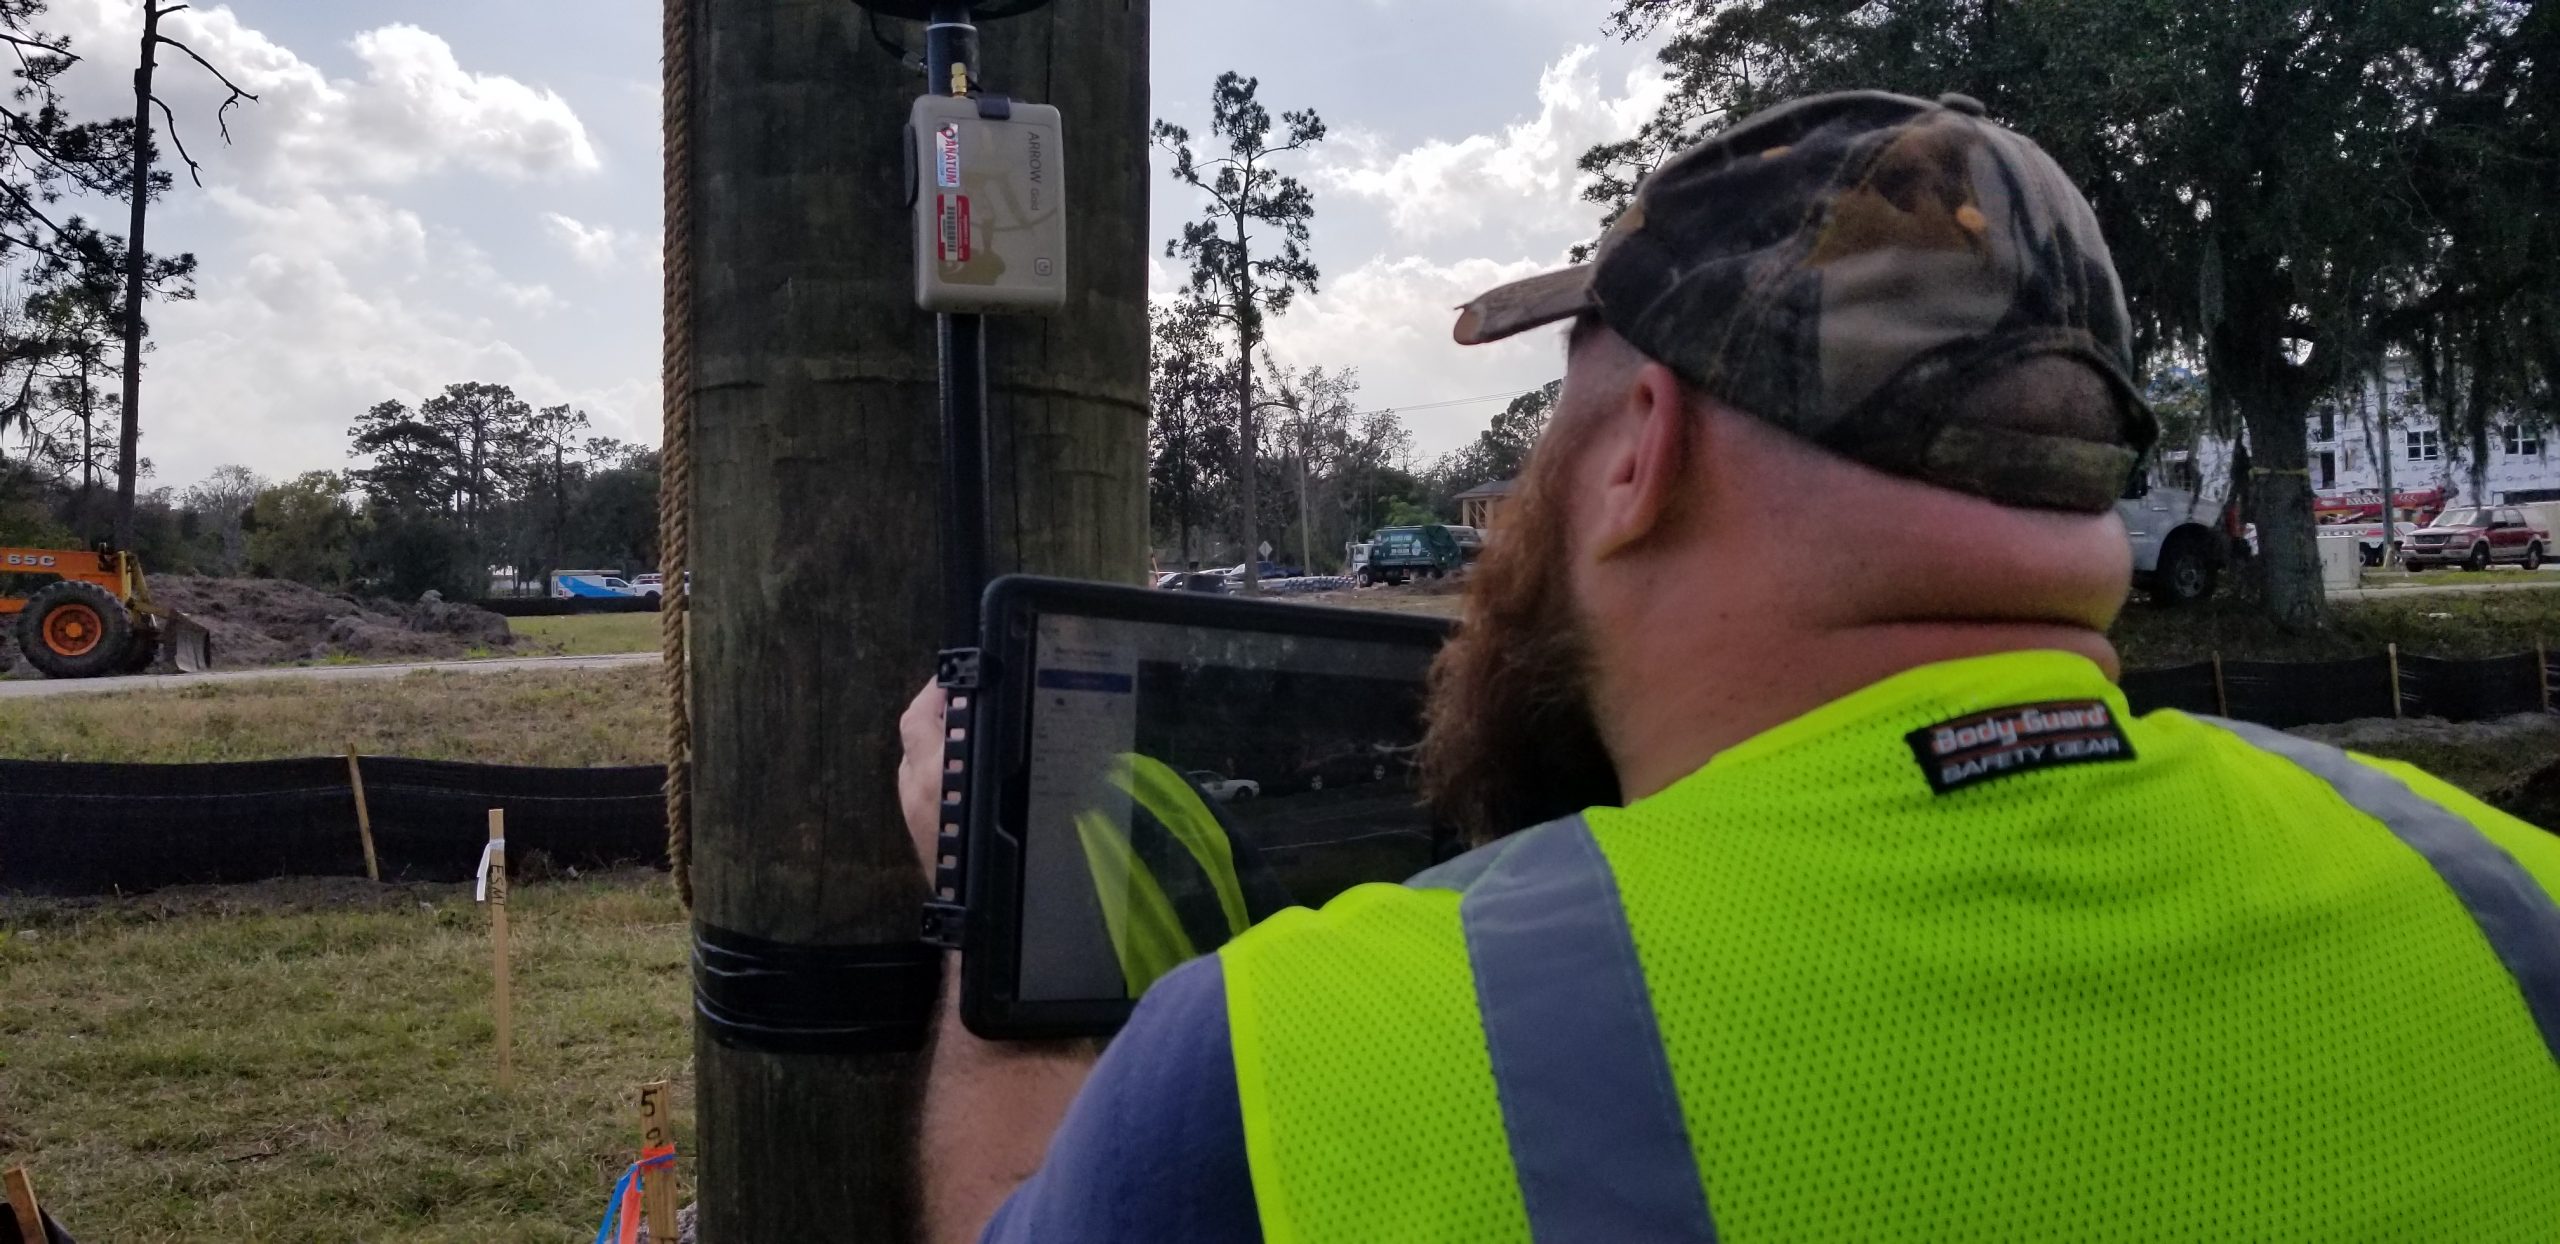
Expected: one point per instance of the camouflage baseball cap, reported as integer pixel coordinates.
(1848, 267)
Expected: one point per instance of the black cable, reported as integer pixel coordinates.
(891, 46)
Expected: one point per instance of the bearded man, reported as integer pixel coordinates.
(1831, 890)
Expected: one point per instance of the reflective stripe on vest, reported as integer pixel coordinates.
(1588, 1101)
(2519, 920)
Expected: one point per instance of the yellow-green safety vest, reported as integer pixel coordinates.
(2225, 985)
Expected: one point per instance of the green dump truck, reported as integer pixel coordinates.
(1401, 554)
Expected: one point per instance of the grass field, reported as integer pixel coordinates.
(2435, 624)
(566, 718)
(313, 1061)
(592, 635)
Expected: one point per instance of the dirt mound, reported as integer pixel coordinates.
(2535, 800)
(271, 622)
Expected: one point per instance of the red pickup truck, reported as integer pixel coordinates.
(2475, 537)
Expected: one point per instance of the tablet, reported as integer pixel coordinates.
(1150, 773)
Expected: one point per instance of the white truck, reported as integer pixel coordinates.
(589, 585)
(2179, 550)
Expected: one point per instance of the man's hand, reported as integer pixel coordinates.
(923, 729)
(989, 1109)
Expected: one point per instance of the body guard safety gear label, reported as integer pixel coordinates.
(2007, 742)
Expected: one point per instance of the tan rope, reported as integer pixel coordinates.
(675, 455)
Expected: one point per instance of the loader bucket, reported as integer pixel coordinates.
(190, 645)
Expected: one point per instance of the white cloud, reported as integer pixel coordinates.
(1391, 318)
(593, 246)
(340, 302)
(324, 289)
(414, 112)
(415, 92)
(1522, 179)
(1462, 216)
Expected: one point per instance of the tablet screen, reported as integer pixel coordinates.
(1185, 782)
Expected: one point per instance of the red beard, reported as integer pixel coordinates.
(1512, 742)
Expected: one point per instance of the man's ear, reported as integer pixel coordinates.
(1646, 463)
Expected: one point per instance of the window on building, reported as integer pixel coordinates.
(2328, 426)
(2424, 445)
(2328, 469)
(2523, 442)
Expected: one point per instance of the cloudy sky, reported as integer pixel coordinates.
(428, 193)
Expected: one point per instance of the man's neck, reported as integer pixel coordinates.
(1694, 706)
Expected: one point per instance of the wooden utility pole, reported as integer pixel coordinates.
(814, 458)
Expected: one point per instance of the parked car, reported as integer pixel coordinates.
(1266, 570)
(1342, 769)
(1222, 788)
(2477, 537)
(649, 584)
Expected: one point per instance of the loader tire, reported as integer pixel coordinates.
(140, 653)
(75, 630)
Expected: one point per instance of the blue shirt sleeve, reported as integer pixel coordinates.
(1153, 1148)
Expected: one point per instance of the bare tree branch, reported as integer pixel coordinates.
(221, 115)
(194, 170)
(58, 46)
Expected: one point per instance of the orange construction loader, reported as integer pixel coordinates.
(96, 618)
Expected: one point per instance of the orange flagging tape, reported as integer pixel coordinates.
(622, 1213)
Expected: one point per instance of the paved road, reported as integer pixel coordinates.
(23, 689)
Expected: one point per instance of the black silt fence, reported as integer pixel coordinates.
(2310, 694)
(2187, 689)
(2325, 693)
(2472, 690)
(73, 829)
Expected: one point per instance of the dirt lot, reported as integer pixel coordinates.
(2493, 759)
(259, 622)
(267, 622)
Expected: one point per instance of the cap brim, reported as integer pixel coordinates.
(1523, 305)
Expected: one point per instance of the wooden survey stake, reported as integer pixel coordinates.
(22, 1205)
(2542, 670)
(2396, 709)
(502, 1004)
(657, 1184)
(364, 817)
(2221, 689)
